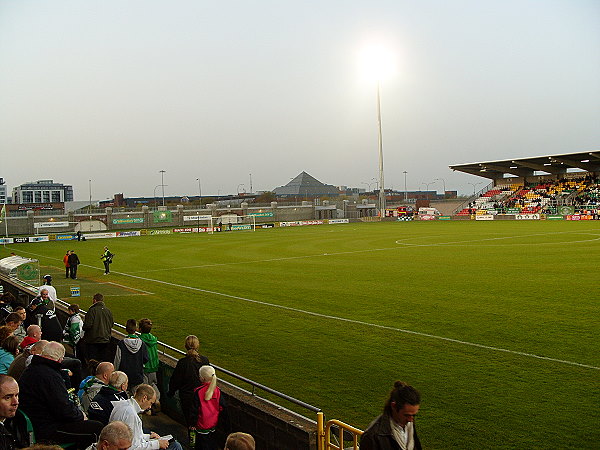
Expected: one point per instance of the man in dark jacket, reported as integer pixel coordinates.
(45, 318)
(13, 428)
(395, 428)
(97, 327)
(45, 399)
(73, 263)
(101, 406)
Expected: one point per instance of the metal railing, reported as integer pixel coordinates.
(340, 431)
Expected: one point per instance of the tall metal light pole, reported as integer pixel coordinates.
(381, 184)
(427, 184)
(251, 184)
(162, 183)
(405, 190)
(474, 184)
(90, 208)
(199, 191)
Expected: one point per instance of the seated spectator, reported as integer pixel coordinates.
(207, 409)
(24, 359)
(114, 436)
(92, 366)
(41, 315)
(9, 349)
(185, 377)
(101, 406)
(45, 399)
(128, 411)
(151, 367)
(12, 321)
(34, 334)
(13, 428)
(93, 386)
(73, 330)
(4, 332)
(131, 355)
(240, 441)
(20, 331)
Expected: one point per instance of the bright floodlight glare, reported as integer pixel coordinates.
(377, 62)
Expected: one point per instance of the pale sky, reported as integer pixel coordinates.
(116, 90)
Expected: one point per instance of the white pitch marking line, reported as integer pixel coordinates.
(360, 322)
(126, 287)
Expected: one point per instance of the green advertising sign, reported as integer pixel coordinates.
(128, 220)
(566, 210)
(513, 211)
(555, 217)
(28, 272)
(163, 216)
(261, 214)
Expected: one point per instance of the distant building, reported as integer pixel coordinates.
(3, 198)
(306, 186)
(42, 191)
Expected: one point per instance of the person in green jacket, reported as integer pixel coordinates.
(73, 331)
(151, 367)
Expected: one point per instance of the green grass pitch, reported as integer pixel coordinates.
(496, 323)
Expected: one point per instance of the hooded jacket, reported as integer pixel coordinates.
(130, 358)
(151, 344)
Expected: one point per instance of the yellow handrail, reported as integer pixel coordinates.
(324, 432)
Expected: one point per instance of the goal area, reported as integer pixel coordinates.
(232, 222)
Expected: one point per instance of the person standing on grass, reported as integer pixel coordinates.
(73, 263)
(395, 428)
(97, 329)
(66, 263)
(106, 258)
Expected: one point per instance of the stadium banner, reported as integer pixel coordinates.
(50, 224)
(6, 240)
(197, 218)
(554, 217)
(20, 240)
(261, 214)
(334, 221)
(426, 217)
(484, 217)
(265, 225)
(100, 235)
(241, 227)
(299, 223)
(155, 232)
(63, 237)
(195, 230)
(162, 216)
(128, 220)
(527, 217)
(566, 210)
(444, 218)
(38, 239)
(128, 233)
(580, 217)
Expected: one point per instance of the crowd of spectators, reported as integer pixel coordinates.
(40, 383)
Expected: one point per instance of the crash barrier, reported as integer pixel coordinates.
(274, 426)
(341, 433)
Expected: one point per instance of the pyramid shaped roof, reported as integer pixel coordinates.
(305, 185)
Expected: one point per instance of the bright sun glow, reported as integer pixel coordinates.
(377, 62)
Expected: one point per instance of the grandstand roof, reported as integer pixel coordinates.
(305, 185)
(525, 167)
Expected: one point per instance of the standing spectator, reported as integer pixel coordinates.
(97, 327)
(114, 436)
(106, 258)
(207, 409)
(128, 411)
(13, 427)
(66, 262)
(9, 349)
(395, 428)
(74, 330)
(45, 399)
(41, 315)
(6, 302)
(93, 385)
(151, 367)
(240, 441)
(101, 406)
(73, 263)
(185, 377)
(48, 286)
(131, 355)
